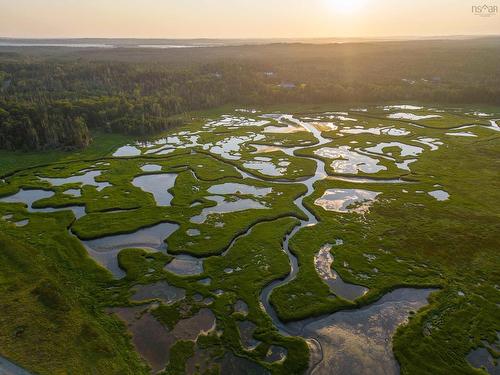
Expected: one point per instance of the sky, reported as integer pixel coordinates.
(243, 18)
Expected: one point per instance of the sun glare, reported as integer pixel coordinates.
(346, 6)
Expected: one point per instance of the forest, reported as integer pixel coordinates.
(55, 98)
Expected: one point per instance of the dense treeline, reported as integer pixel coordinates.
(53, 105)
(53, 100)
(34, 126)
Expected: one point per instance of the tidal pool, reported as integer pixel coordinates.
(206, 281)
(247, 329)
(152, 340)
(241, 307)
(342, 117)
(323, 262)
(105, 249)
(433, 143)
(127, 151)
(349, 161)
(149, 337)
(402, 106)
(462, 134)
(236, 122)
(283, 129)
(406, 150)
(479, 114)
(237, 188)
(160, 290)
(28, 197)
(74, 192)
(189, 329)
(185, 265)
(263, 149)
(78, 211)
(169, 144)
(158, 185)
(362, 180)
(227, 206)
(376, 131)
(360, 341)
(411, 116)
(276, 354)
(440, 195)
(21, 223)
(151, 168)
(266, 167)
(347, 200)
(87, 178)
(229, 148)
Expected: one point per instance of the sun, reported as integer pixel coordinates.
(346, 6)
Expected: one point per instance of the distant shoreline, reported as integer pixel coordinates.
(156, 43)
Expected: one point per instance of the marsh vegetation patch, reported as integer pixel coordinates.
(225, 231)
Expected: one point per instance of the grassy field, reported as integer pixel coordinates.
(102, 145)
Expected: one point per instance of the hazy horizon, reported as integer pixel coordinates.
(291, 38)
(243, 19)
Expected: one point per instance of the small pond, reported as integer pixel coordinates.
(347, 200)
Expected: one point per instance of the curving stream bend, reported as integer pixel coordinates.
(319, 174)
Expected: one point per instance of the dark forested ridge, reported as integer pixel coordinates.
(54, 97)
